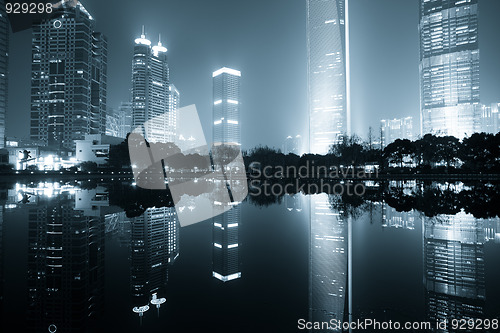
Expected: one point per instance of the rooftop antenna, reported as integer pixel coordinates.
(143, 32)
(159, 39)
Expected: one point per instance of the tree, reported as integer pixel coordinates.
(397, 151)
(88, 166)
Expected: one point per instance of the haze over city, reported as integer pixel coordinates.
(266, 41)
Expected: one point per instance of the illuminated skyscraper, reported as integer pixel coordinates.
(69, 79)
(4, 62)
(328, 73)
(449, 67)
(393, 129)
(226, 111)
(151, 105)
(489, 118)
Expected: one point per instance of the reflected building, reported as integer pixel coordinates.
(226, 246)
(293, 202)
(65, 265)
(328, 268)
(328, 73)
(154, 246)
(68, 79)
(391, 218)
(292, 145)
(4, 69)
(454, 267)
(449, 67)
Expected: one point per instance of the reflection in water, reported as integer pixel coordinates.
(154, 245)
(328, 295)
(454, 274)
(68, 227)
(65, 263)
(226, 247)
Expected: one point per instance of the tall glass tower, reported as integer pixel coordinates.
(449, 67)
(328, 73)
(4, 62)
(226, 114)
(151, 92)
(69, 74)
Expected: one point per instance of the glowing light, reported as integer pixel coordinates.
(218, 245)
(232, 101)
(232, 246)
(227, 71)
(226, 278)
(232, 225)
(234, 122)
(143, 41)
(218, 102)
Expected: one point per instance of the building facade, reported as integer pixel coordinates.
(151, 93)
(226, 110)
(4, 70)
(449, 67)
(393, 129)
(69, 79)
(328, 73)
(489, 118)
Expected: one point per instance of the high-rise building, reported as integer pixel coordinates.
(151, 92)
(328, 73)
(69, 79)
(4, 62)
(292, 145)
(489, 118)
(449, 67)
(393, 129)
(226, 111)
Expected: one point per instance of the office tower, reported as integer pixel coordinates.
(154, 245)
(391, 218)
(454, 267)
(65, 277)
(328, 73)
(489, 118)
(151, 110)
(69, 74)
(112, 122)
(449, 67)
(226, 110)
(4, 63)
(329, 275)
(292, 145)
(393, 129)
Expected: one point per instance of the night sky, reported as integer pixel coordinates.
(266, 40)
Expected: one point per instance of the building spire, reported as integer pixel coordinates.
(143, 35)
(159, 39)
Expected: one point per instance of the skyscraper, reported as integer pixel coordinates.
(449, 67)
(328, 73)
(393, 129)
(151, 106)
(4, 62)
(69, 79)
(226, 111)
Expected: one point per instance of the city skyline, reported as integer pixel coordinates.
(362, 116)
